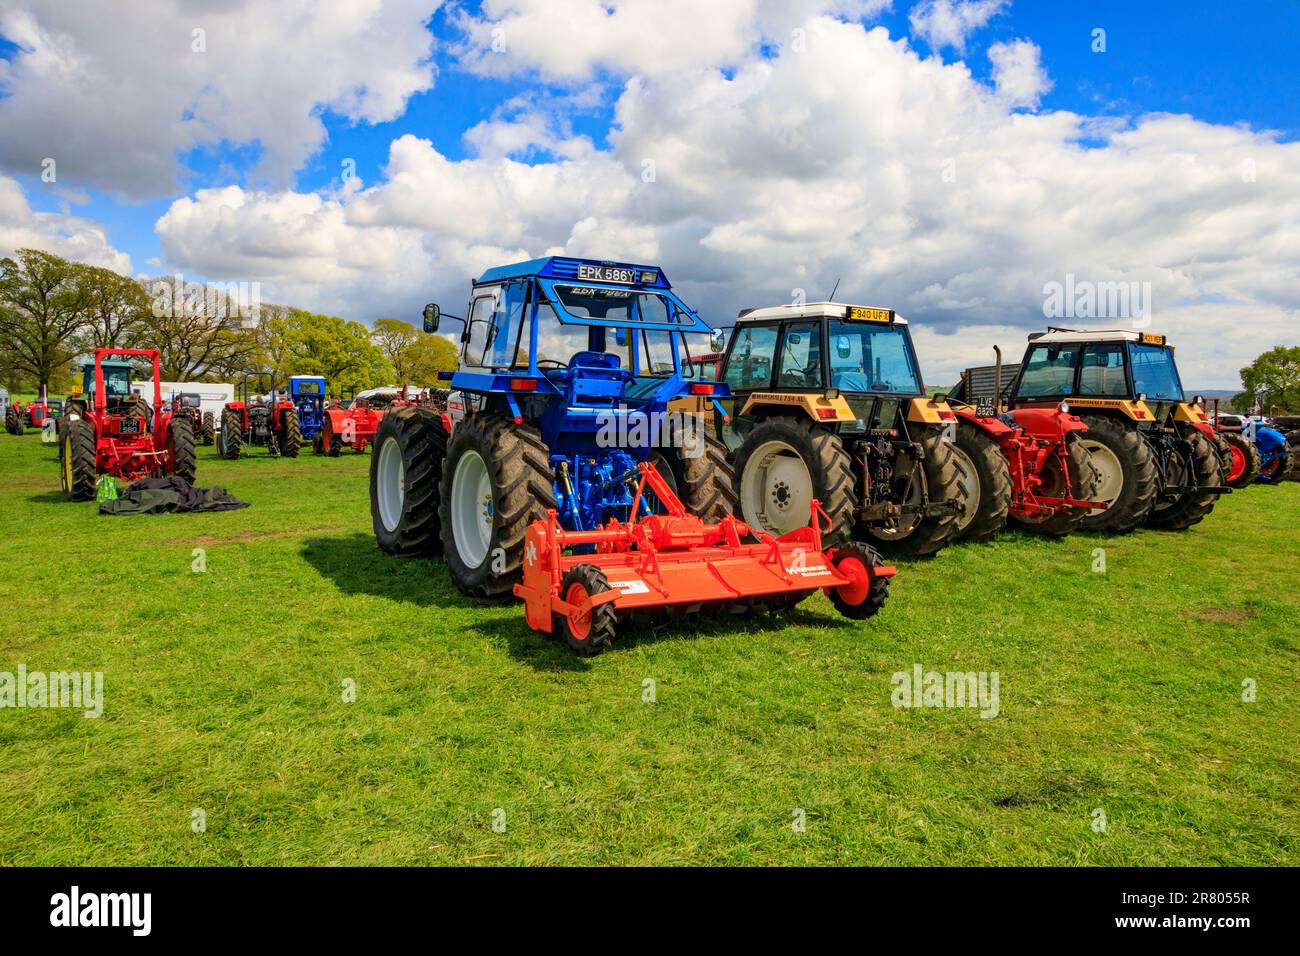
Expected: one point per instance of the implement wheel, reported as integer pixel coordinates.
(867, 594)
(587, 633)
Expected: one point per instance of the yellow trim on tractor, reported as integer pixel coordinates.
(1137, 411)
(1187, 412)
(816, 406)
(929, 411)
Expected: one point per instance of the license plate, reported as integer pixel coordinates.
(863, 314)
(129, 426)
(986, 408)
(607, 274)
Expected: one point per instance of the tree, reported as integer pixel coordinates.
(44, 303)
(416, 358)
(199, 331)
(1272, 379)
(118, 314)
(297, 342)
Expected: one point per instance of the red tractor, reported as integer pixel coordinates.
(270, 420)
(1029, 465)
(115, 433)
(20, 417)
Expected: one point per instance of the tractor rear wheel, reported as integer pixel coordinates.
(330, 444)
(1243, 459)
(1202, 468)
(1126, 475)
(782, 465)
(290, 436)
(701, 476)
(77, 460)
(590, 633)
(986, 479)
(209, 430)
(1082, 485)
(13, 421)
(231, 440)
(405, 478)
(180, 448)
(867, 594)
(919, 536)
(497, 479)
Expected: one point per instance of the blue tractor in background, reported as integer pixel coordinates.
(1274, 450)
(307, 392)
(572, 372)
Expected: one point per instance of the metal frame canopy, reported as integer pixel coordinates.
(602, 274)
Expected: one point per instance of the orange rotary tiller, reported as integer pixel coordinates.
(674, 559)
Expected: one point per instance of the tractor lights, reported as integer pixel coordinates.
(1142, 396)
(1064, 408)
(701, 389)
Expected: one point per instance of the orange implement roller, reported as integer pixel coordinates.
(677, 560)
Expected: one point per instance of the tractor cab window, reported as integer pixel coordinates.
(190, 401)
(618, 305)
(507, 345)
(1154, 373)
(117, 382)
(558, 342)
(1049, 370)
(868, 357)
(648, 352)
(306, 388)
(801, 356)
(1102, 370)
(750, 364)
(481, 312)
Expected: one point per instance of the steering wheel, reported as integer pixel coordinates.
(553, 362)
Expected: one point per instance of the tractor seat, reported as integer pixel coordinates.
(595, 378)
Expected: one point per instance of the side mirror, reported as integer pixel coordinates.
(431, 315)
(717, 341)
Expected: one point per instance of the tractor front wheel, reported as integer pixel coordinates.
(1126, 475)
(77, 460)
(591, 631)
(290, 437)
(986, 478)
(231, 440)
(1202, 468)
(405, 475)
(181, 456)
(497, 479)
(782, 465)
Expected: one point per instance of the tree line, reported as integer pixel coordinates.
(55, 312)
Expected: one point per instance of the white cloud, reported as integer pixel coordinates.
(912, 183)
(72, 237)
(113, 92)
(948, 23)
(1018, 74)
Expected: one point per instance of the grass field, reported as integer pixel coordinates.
(1120, 692)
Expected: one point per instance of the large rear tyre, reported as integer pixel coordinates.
(405, 477)
(180, 448)
(231, 440)
(1126, 475)
(702, 477)
(290, 435)
(868, 592)
(77, 460)
(497, 479)
(589, 633)
(985, 477)
(782, 465)
(13, 421)
(1203, 468)
(919, 536)
(1242, 459)
(208, 433)
(1082, 485)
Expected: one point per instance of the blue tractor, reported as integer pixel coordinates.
(572, 372)
(1274, 450)
(307, 392)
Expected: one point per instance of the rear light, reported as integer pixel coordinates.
(946, 416)
(523, 384)
(701, 389)
(825, 413)
(1138, 413)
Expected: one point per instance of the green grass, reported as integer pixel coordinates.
(1119, 691)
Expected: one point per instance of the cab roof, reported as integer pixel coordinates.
(1071, 336)
(566, 267)
(818, 310)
